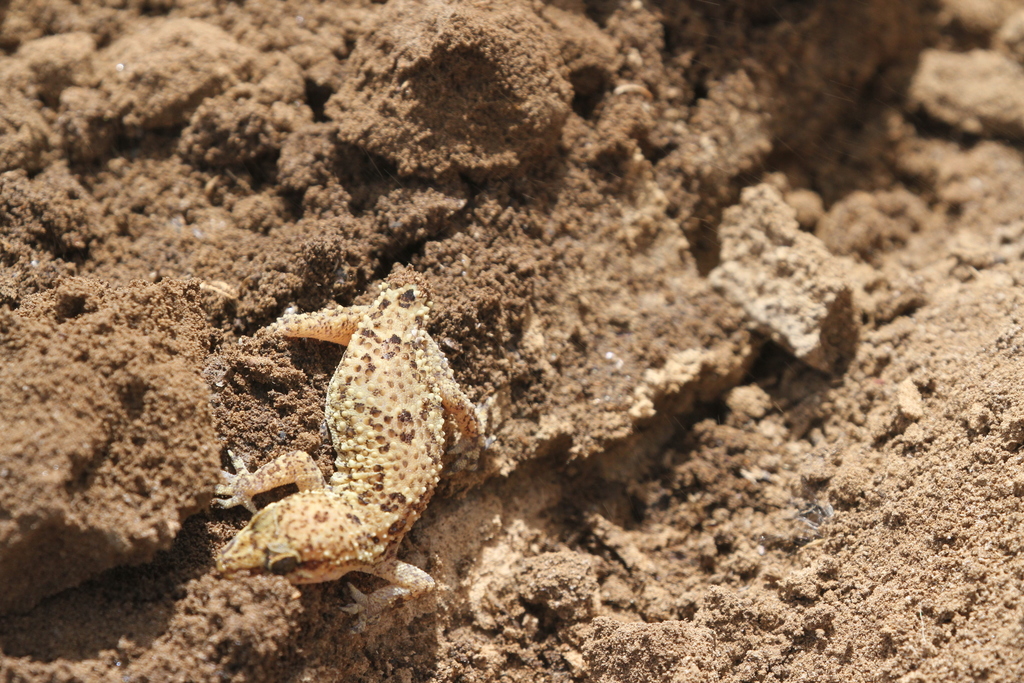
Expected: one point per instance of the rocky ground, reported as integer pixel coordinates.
(739, 283)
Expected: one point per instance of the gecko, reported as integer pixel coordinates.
(392, 406)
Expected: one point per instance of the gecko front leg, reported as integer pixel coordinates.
(405, 580)
(292, 468)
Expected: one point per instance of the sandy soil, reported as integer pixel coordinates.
(741, 283)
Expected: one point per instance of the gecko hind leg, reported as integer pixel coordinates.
(330, 324)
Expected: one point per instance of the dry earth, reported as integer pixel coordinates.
(742, 283)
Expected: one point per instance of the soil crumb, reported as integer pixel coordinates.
(739, 288)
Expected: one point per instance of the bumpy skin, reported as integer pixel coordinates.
(387, 406)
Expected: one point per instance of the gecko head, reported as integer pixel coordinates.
(259, 549)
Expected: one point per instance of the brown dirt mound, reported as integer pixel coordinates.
(738, 283)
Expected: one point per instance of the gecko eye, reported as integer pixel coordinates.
(282, 564)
